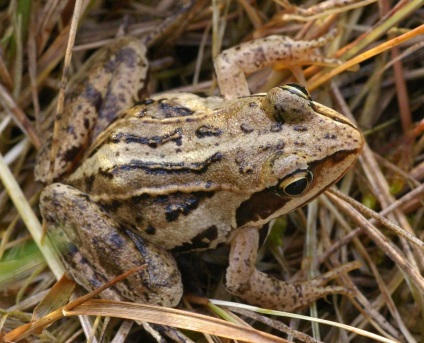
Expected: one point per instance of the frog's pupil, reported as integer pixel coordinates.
(296, 187)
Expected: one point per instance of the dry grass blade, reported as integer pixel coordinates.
(58, 296)
(63, 83)
(9, 103)
(48, 311)
(31, 221)
(365, 56)
(379, 218)
(251, 311)
(173, 317)
(384, 243)
(386, 90)
(145, 313)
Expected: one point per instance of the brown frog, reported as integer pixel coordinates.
(177, 172)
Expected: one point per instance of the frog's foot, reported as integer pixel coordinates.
(95, 249)
(246, 282)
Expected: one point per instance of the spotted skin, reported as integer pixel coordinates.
(178, 173)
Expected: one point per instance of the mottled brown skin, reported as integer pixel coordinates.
(178, 172)
(260, 288)
(92, 244)
(104, 87)
(204, 160)
(233, 64)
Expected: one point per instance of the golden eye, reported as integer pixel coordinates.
(295, 184)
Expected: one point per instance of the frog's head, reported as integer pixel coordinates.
(320, 147)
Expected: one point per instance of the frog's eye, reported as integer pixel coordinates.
(297, 89)
(295, 184)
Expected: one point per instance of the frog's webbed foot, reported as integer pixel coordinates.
(95, 249)
(245, 281)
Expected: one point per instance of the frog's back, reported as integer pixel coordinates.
(173, 159)
(164, 159)
(176, 140)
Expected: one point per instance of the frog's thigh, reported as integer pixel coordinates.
(246, 282)
(95, 249)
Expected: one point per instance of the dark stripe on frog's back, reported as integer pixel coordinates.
(141, 146)
(175, 116)
(151, 168)
(135, 171)
(148, 108)
(152, 141)
(165, 168)
(157, 140)
(158, 109)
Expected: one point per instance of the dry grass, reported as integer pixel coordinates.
(384, 95)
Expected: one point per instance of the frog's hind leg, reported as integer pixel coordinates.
(245, 281)
(108, 83)
(95, 249)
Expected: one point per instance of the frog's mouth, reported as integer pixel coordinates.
(269, 203)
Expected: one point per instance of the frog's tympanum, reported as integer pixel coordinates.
(141, 180)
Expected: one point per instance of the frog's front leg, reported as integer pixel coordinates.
(233, 64)
(245, 281)
(95, 250)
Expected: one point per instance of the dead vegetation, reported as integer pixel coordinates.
(379, 82)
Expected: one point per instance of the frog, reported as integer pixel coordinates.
(139, 178)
